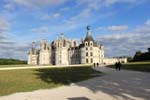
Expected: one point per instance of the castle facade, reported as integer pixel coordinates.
(63, 51)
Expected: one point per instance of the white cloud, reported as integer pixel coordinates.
(36, 3)
(126, 43)
(143, 29)
(51, 17)
(81, 19)
(97, 4)
(41, 30)
(147, 22)
(117, 28)
(65, 9)
(99, 28)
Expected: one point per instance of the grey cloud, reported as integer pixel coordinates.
(4, 25)
(14, 50)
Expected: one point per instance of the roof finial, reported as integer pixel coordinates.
(88, 27)
(88, 30)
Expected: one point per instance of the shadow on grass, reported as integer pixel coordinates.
(66, 75)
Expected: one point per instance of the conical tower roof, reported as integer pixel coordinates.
(89, 37)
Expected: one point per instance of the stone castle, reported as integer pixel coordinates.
(63, 51)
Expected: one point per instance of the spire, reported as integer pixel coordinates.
(88, 31)
(62, 35)
(89, 36)
(33, 44)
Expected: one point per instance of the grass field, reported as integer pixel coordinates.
(12, 81)
(137, 66)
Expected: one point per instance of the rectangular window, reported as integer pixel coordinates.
(86, 48)
(91, 54)
(86, 53)
(87, 61)
(91, 60)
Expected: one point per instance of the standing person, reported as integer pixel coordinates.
(116, 65)
(97, 64)
(119, 65)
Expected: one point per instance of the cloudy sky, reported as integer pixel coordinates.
(122, 26)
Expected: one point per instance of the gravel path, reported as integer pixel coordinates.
(113, 85)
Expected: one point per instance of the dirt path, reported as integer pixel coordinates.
(113, 85)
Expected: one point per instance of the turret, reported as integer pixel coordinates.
(33, 55)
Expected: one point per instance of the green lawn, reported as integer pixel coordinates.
(137, 66)
(12, 81)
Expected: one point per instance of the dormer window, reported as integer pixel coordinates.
(91, 43)
(86, 44)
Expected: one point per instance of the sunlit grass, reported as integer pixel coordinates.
(12, 81)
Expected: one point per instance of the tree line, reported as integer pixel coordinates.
(142, 56)
(4, 61)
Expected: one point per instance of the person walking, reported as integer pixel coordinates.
(116, 65)
(97, 64)
(119, 65)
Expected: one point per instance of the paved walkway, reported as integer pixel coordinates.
(40, 66)
(113, 85)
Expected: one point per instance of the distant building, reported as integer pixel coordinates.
(63, 51)
(110, 61)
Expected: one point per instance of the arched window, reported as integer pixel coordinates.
(86, 44)
(91, 43)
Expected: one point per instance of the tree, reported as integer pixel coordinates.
(137, 56)
(129, 59)
(148, 49)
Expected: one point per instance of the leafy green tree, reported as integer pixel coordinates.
(148, 49)
(11, 61)
(137, 56)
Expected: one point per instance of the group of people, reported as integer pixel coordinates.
(96, 64)
(118, 66)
